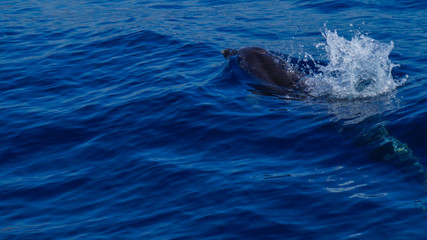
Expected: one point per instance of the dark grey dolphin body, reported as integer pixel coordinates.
(264, 66)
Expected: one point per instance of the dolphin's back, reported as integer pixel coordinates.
(264, 66)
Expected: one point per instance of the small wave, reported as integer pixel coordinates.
(358, 68)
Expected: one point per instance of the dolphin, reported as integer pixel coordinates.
(275, 72)
(265, 66)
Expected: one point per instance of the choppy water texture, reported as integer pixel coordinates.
(122, 120)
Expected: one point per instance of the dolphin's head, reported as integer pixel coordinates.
(228, 52)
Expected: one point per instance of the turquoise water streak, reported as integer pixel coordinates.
(122, 120)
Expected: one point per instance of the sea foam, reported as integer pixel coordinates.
(358, 68)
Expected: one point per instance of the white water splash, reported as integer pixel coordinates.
(358, 68)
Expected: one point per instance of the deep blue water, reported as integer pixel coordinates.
(122, 120)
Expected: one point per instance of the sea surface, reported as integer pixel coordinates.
(122, 120)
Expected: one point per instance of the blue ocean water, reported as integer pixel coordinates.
(122, 120)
